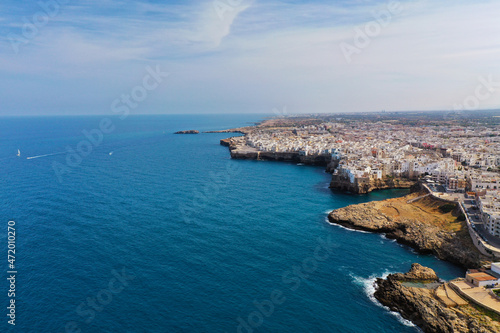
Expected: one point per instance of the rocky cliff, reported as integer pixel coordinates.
(239, 150)
(422, 307)
(415, 221)
(361, 186)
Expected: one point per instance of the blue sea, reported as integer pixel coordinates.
(130, 228)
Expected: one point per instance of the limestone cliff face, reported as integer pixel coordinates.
(417, 272)
(225, 142)
(361, 186)
(239, 150)
(420, 305)
(418, 224)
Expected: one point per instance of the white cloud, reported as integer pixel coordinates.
(216, 20)
(259, 54)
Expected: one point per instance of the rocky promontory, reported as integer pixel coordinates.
(188, 132)
(424, 307)
(416, 220)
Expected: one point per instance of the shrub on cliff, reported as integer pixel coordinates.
(446, 208)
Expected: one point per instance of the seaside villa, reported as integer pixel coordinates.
(484, 277)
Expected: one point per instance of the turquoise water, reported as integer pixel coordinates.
(199, 242)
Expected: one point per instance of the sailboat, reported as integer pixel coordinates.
(18, 152)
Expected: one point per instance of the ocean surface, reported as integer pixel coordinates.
(148, 231)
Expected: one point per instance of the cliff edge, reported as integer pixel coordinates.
(426, 224)
(423, 307)
(362, 185)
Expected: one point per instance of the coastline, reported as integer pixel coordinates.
(421, 297)
(239, 149)
(413, 220)
(389, 217)
(408, 219)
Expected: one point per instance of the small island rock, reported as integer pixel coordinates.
(187, 132)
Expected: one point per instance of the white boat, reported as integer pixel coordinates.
(18, 152)
(111, 153)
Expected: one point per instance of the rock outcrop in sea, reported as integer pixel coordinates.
(421, 306)
(188, 132)
(414, 220)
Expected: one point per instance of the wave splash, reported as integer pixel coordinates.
(345, 228)
(368, 285)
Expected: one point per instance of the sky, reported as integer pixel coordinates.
(65, 57)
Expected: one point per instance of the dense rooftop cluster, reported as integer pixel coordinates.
(455, 158)
(452, 154)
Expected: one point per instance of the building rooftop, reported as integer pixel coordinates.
(482, 276)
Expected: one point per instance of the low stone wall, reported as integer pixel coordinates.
(460, 292)
(432, 194)
(481, 245)
(492, 293)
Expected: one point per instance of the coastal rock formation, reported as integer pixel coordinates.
(188, 132)
(361, 186)
(417, 221)
(421, 306)
(239, 150)
(417, 272)
(225, 142)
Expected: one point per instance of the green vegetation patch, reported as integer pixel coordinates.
(446, 208)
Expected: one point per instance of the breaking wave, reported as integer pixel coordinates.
(368, 285)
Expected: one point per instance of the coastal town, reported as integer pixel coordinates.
(457, 159)
(452, 165)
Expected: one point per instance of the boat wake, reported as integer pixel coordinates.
(368, 285)
(38, 156)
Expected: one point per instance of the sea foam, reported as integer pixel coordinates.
(368, 285)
